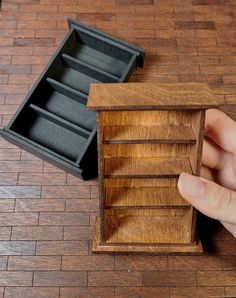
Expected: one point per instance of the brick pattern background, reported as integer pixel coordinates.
(47, 215)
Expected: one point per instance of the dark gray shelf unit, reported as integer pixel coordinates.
(53, 121)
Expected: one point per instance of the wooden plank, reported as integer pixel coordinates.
(151, 96)
(146, 150)
(149, 133)
(148, 117)
(146, 167)
(147, 226)
(144, 197)
(173, 248)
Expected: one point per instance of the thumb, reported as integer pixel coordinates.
(208, 197)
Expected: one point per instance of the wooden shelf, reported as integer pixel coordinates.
(149, 197)
(141, 167)
(116, 134)
(147, 226)
(168, 248)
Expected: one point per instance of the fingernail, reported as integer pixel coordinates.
(191, 186)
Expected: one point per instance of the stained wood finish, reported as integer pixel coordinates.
(143, 197)
(149, 133)
(173, 248)
(146, 167)
(143, 96)
(140, 226)
(156, 135)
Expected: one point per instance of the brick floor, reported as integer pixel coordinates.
(47, 215)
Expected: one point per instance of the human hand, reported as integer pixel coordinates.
(214, 194)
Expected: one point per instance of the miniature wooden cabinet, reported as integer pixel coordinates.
(147, 135)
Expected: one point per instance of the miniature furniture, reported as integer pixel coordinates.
(53, 121)
(148, 134)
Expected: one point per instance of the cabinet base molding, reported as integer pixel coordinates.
(98, 246)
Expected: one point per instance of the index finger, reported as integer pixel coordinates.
(221, 129)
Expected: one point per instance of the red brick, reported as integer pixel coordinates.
(44, 50)
(43, 33)
(6, 41)
(34, 42)
(21, 79)
(66, 192)
(88, 263)
(219, 278)
(144, 292)
(190, 69)
(39, 24)
(169, 278)
(7, 24)
(198, 60)
(12, 89)
(21, 166)
(7, 192)
(39, 205)
(10, 154)
(201, 78)
(28, 156)
(17, 248)
(34, 263)
(5, 59)
(94, 191)
(41, 178)
(114, 278)
(59, 278)
(63, 218)
(49, 248)
(3, 80)
(87, 205)
(9, 7)
(30, 60)
(196, 292)
(194, 263)
(5, 233)
(37, 233)
(8, 278)
(39, 8)
(3, 263)
(18, 219)
(8, 178)
(226, 69)
(83, 292)
(29, 292)
(7, 205)
(14, 98)
(78, 233)
(22, 33)
(141, 262)
(197, 25)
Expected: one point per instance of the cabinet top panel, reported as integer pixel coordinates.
(145, 96)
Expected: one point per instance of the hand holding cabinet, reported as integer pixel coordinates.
(148, 134)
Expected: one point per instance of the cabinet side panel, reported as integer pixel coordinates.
(101, 171)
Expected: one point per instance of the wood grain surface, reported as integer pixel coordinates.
(151, 95)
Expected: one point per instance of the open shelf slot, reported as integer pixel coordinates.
(65, 103)
(147, 226)
(115, 134)
(85, 64)
(39, 127)
(78, 76)
(98, 53)
(145, 197)
(142, 167)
